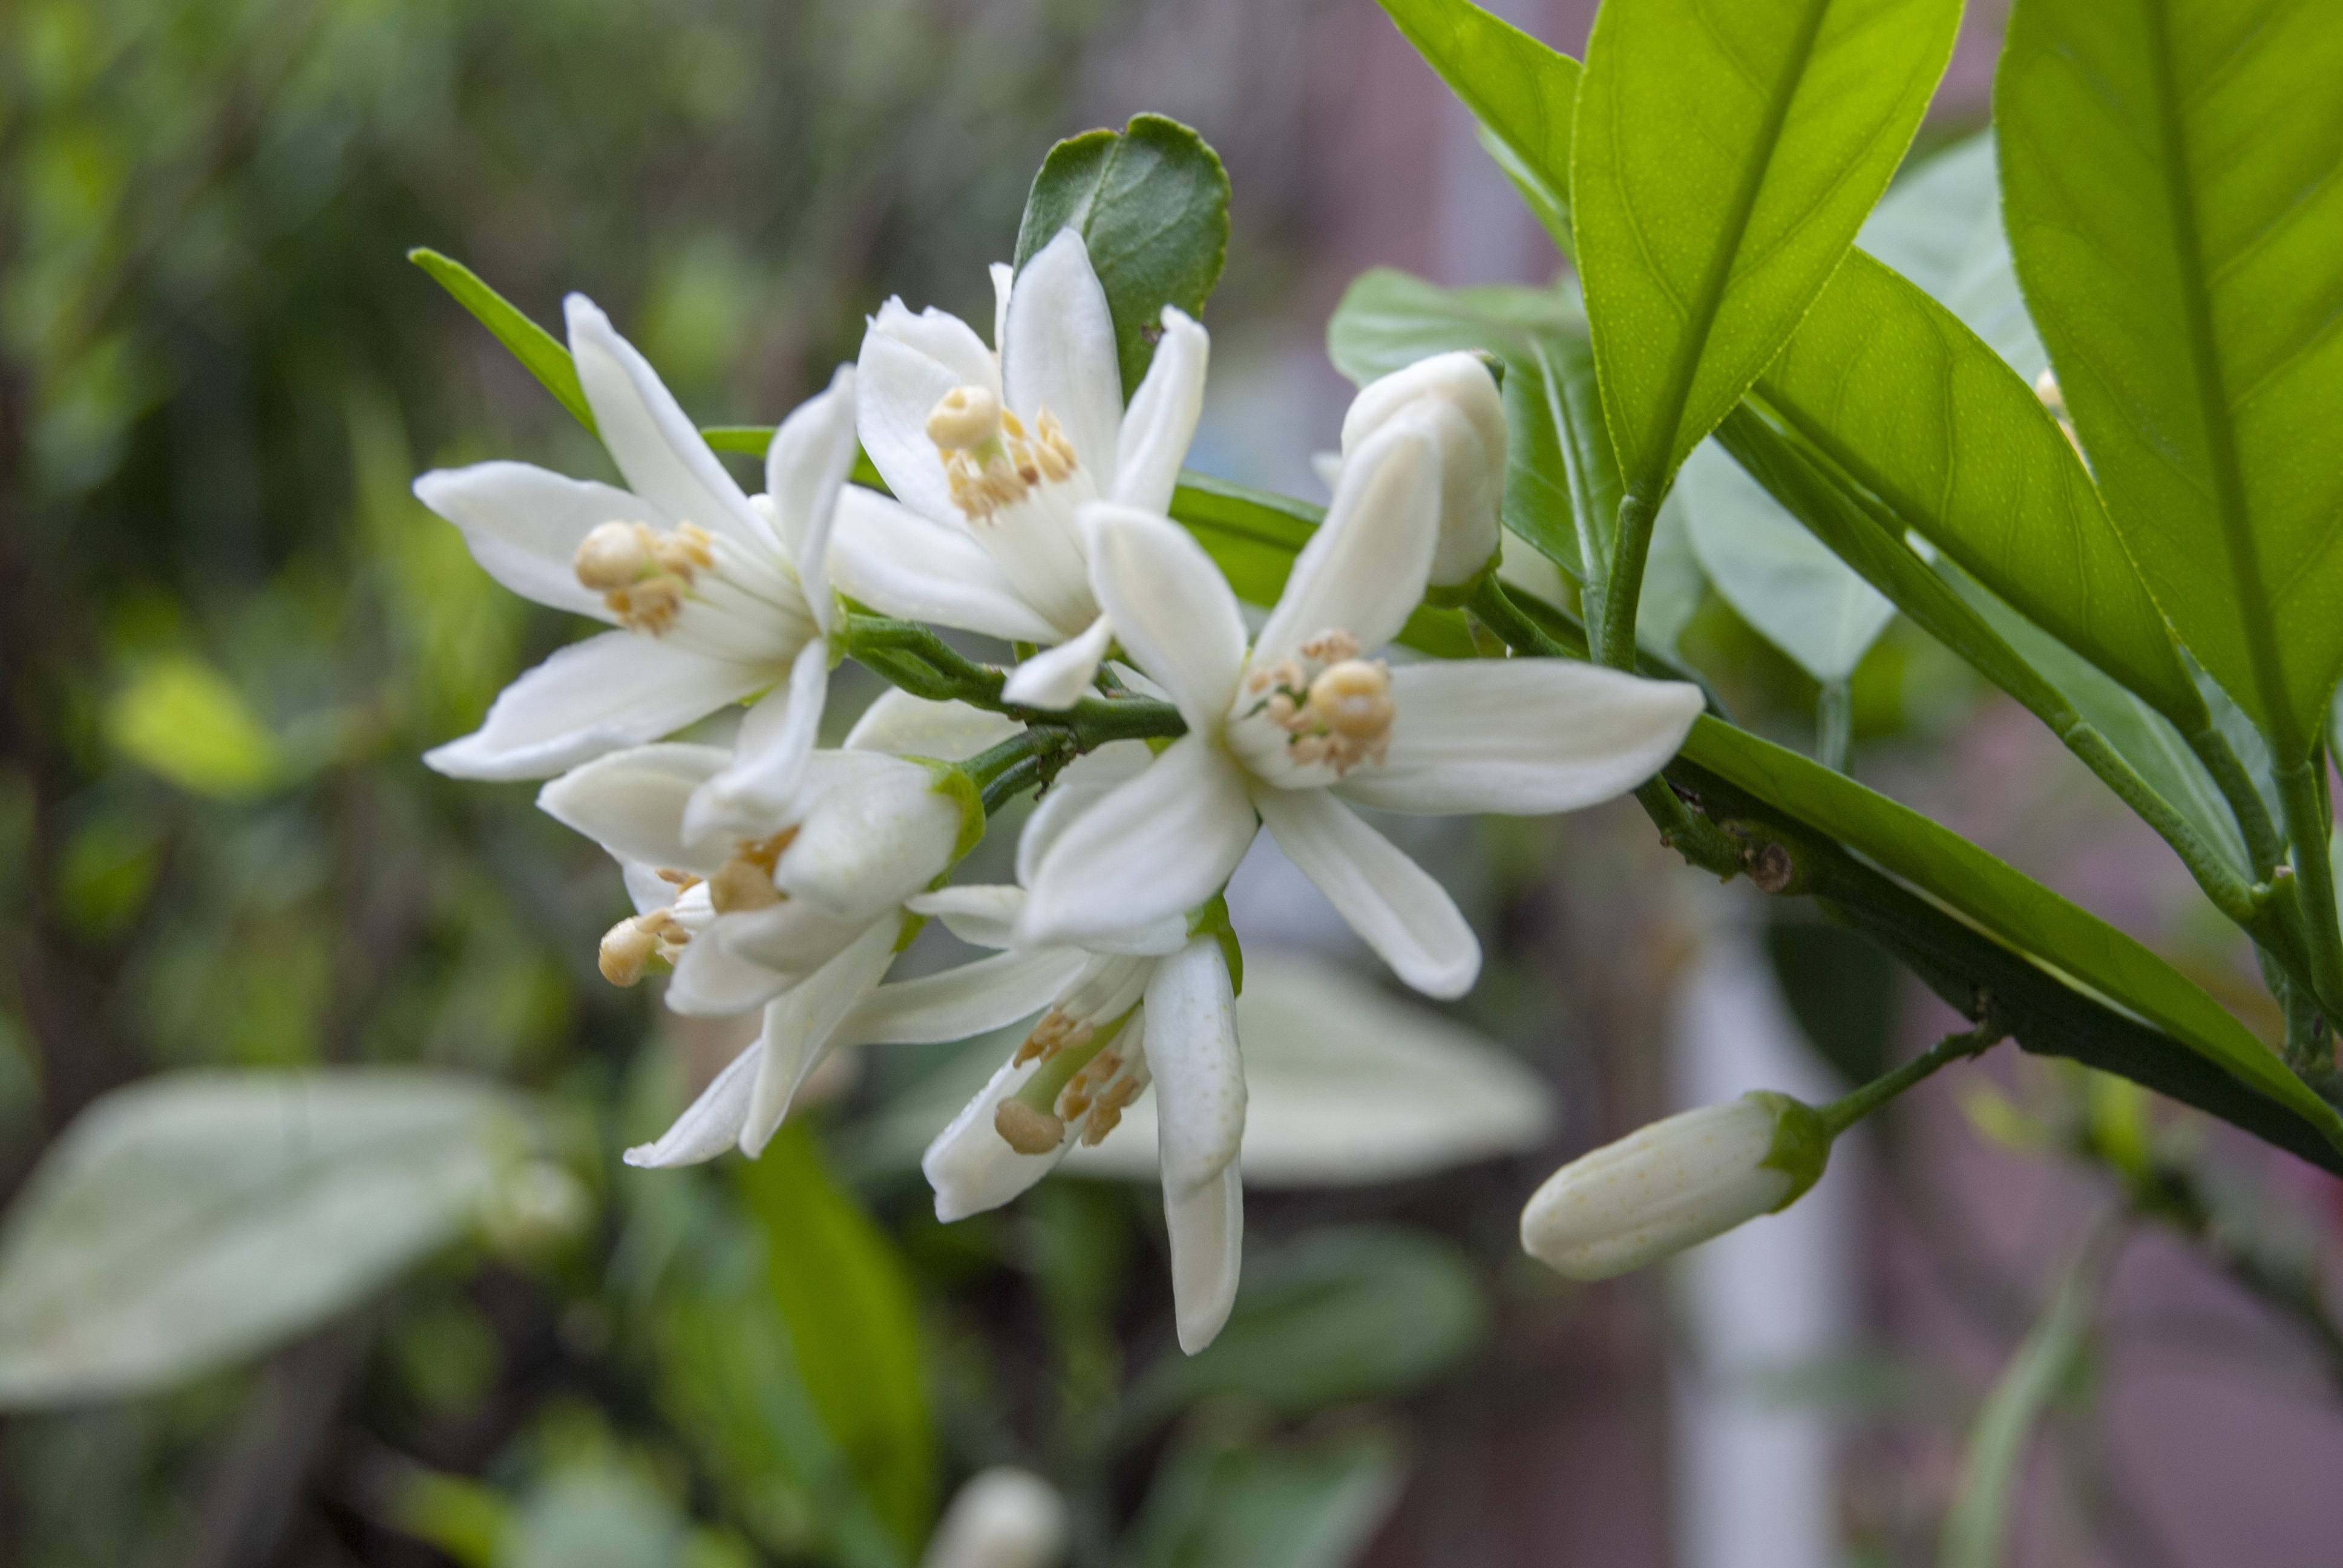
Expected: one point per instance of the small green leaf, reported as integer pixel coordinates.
(2168, 176)
(178, 716)
(1723, 158)
(1217, 1504)
(540, 352)
(843, 1291)
(1151, 203)
(1520, 91)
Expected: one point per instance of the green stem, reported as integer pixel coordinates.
(1623, 588)
(2301, 794)
(922, 663)
(2230, 893)
(1842, 1113)
(2264, 842)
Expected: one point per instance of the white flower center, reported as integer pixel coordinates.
(710, 593)
(1088, 1071)
(1321, 707)
(989, 458)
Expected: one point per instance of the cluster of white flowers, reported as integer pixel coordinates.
(1028, 503)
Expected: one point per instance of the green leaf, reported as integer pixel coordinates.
(1941, 227)
(196, 1218)
(1778, 577)
(2168, 176)
(1916, 409)
(543, 355)
(1520, 91)
(1340, 1316)
(842, 1289)
(1723, 158)
(2054, 935)
(1151, 203)
(179, 717)
(597, 1513)
(1233, 1505)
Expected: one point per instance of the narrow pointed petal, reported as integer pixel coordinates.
(961, 1003)
(1192, 1049)
(1174, 611)
(983, 915)
(768, 756)
(655, 444)
(805, 468)
(711, 980)
(891, 558)
(590, 697)
(1059, 353)
(712, 1124)
(1159, 844)
(802, 1029)
(632, 803)
(909, 362)
(1061, 677)
(969, 1164)
(1160, 422)
(864, 848)
(1207, 1226)
(1522, 736)
(523, 525)
(1364, 569)
(1084, 782)
(902, 725)
(1004, 283)
(1389, 900)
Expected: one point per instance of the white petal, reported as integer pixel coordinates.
(769, 755)
(970, 1166)
(789, 941)
(1364, 570)
(902, 725)
(1004, 281)
(805, 468)
(907, 363)
(892, 559)
(1161, 420)
(655, 446)
(712, 1124)
(1192, 1049)
(645, 888)
(1171, 608)
(592, 697)
(711, 980)
(1059, 353)
(1062, 675)
(1523, 736)
(959, 1003)
(802, 1029)
(1207, 1226)
(1389, 900)
(523, 525)
(1083, 783)
(631, 803)
(1159, 844)
(980, 914)
(864, 848)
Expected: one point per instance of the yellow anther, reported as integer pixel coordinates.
(1026, 1129)
(964, 418)
(613, 556)
(745, 881)
(629, 945)
(1354, 698)
(1107, 1114)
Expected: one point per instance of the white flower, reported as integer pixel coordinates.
(1674, 1184)
(1002, 1518)
(1452, 398)
(801, 915)
(716, 597)
(1307, 720)
(1151, 1004)
(990, 455)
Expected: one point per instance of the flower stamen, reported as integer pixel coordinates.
(642, 574)
(989, 459)
(745, 881)
(1026, 1129)
(630, 945)
(1334, 707)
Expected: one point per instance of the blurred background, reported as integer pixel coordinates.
(2030, 1316)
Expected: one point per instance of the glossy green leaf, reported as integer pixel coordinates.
(1722, 158)
(843, 1291)
(2168, 169)
(180, 717)
(2019, 912)
(1941, 227)
(196, 1218)
(1220, 1504)
(1777, 575)
(541, 354)
(1521, 92)
(1918, 410)
(1151, 203)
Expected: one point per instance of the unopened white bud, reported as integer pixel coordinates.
(1674, 1184)
(1002, 1518)
(871, 840)
(1455, 399)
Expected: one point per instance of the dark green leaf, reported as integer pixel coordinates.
(1151, 203)
(1340, 1316)
(2168, 169)
(1842, 989)
(1520, 91)
(1722, 158)
(1218, 1505)
(541, 354)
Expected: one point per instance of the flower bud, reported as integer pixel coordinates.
(871, 840)
(1002, 1518)
(1674, 1184)
(1454, 398)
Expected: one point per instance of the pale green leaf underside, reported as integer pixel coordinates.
(2173, 172)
